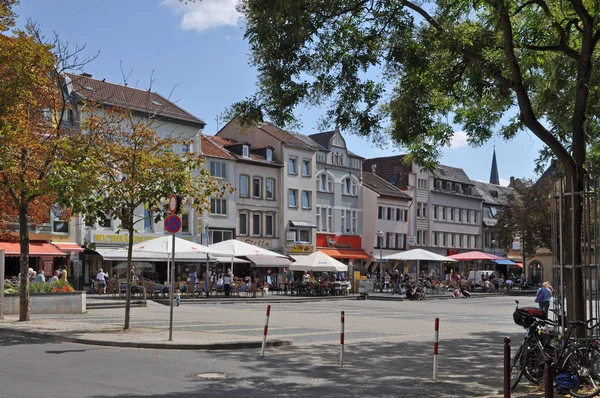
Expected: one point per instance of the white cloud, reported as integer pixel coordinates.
(202, 15)
(459, 139)
(504, 183)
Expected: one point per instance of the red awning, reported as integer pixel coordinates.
(68, 247)
(346, 253)
(519, 265)
(36, 249)
(475, 255)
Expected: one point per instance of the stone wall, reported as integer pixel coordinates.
(48, 303)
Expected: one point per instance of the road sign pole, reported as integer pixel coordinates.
(172, 288)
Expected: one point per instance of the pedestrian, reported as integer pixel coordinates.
(543, 297)
(63, 274)
(178, 297)
(132, 275)
(396, 282)
(55, 277)
(227, 282)
(305, 277)
(40, 278)
(101, 278)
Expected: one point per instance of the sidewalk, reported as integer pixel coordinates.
(53, 328)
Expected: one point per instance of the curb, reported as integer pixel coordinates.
(160, 346)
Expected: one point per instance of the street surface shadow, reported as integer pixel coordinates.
(468, 367)
(7, 339)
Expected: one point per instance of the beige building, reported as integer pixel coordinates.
(296, 221)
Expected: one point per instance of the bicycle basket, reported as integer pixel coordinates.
(566, 381)
(525, 316)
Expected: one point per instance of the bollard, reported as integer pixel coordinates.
(549, 378)
(506, 367)
(436, 335)
(145, 295)
(264, 342)
(342, 342)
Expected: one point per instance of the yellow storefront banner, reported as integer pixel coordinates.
(118, 238)
(302, 249)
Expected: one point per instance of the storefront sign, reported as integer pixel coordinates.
(339, 242)
(301, 249)
(48, 266)
(266, 243)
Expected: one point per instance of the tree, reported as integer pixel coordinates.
(136, 167)
(528, 214)
(38, 154)
(472, 63)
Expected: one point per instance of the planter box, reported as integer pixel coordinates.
(48, 303)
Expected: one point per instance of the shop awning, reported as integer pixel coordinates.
(504, 262)
(519, 265)
(302, 224)
(36, 249)
(68, 247)
(268, 261)
(346, 253)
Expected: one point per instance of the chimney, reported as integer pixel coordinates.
(512, 182)
(86, 74)
(374, 168)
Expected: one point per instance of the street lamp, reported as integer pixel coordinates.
(493, 242)
(380, 235)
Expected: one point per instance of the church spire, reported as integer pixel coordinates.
(494, 179)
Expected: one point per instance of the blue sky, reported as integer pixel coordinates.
(197, 53)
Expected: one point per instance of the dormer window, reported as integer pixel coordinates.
(269, 155)
(245, 151)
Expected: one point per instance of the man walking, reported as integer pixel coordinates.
(396, 282)
(227, 282)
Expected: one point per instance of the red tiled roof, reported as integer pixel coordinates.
(378, 184)
(130, 98)
(282, 135)
(392, 169)
(225, 142)
(211, 149)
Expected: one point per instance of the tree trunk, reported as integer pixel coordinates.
(573, 274)
(24, 300)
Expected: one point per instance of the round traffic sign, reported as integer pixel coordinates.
(172, 223)
(172, 203)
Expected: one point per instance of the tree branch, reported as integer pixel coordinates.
(424, 14)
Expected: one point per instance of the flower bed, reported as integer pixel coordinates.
(48, 303)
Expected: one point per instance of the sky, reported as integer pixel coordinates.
(196, 54)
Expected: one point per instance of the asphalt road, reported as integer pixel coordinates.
(390, 355)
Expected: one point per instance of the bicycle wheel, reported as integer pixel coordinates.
(585, 364)
(517, 367)
(533, 368)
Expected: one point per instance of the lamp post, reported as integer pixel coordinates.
(493, 242)
(380, 235)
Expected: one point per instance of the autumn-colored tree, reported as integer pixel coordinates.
(137, 168)
(37, 152)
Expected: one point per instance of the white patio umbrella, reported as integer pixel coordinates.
(259, 256)
(138, 265)
(318, 261)
(160, 249)
(418, 255)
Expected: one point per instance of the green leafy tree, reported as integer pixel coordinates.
(136, 167)
(489, 66)
(40, 159)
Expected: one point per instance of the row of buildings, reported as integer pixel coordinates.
(293, 194)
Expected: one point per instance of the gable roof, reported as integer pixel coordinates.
(323, 138)
(283, 136)
(390, 168)
(381, 186)
(452, 174)
(224, 143)
(210, 149)
(487, 190)
(311, 142)
(131, 98)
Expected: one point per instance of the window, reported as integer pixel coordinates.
(419, 210)
(349, 186)
(399, 214)
(460, 240)
(292, 166)
(422, 183)
(256, 187)
(435, 238)
(343, 222)
(424, 210)
(217, 235)
(270, 189)
(306, 199)
(107, 221)
(330, 219)
(319, 220)
(244, 186)
(391, 238)
(435, 212)
(460, 213)
(269, 155)
(381, 212)
(324, 183)
(293, 198)
(305, 168)
(452, 240)
(218, 206)
(443, 213)
(245, 151)
(269, 223)
(451, 210)
(185, 148)
(475, 213)
(218, 169)
(305, 235)
(256, 217)
(185, 223)
(443, 239)
(400, 241)
(147, 220)
(244, 224)
(390, 213)
(405, 218)
(354, 222)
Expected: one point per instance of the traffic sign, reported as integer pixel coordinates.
(172, 223)
(412, 240)
(173, 202)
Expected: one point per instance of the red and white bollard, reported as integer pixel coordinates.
(264, 342)
(342, 342)
(436, 336)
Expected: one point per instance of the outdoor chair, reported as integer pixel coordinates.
(191, 289)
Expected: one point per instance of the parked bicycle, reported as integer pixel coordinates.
(577, 361)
